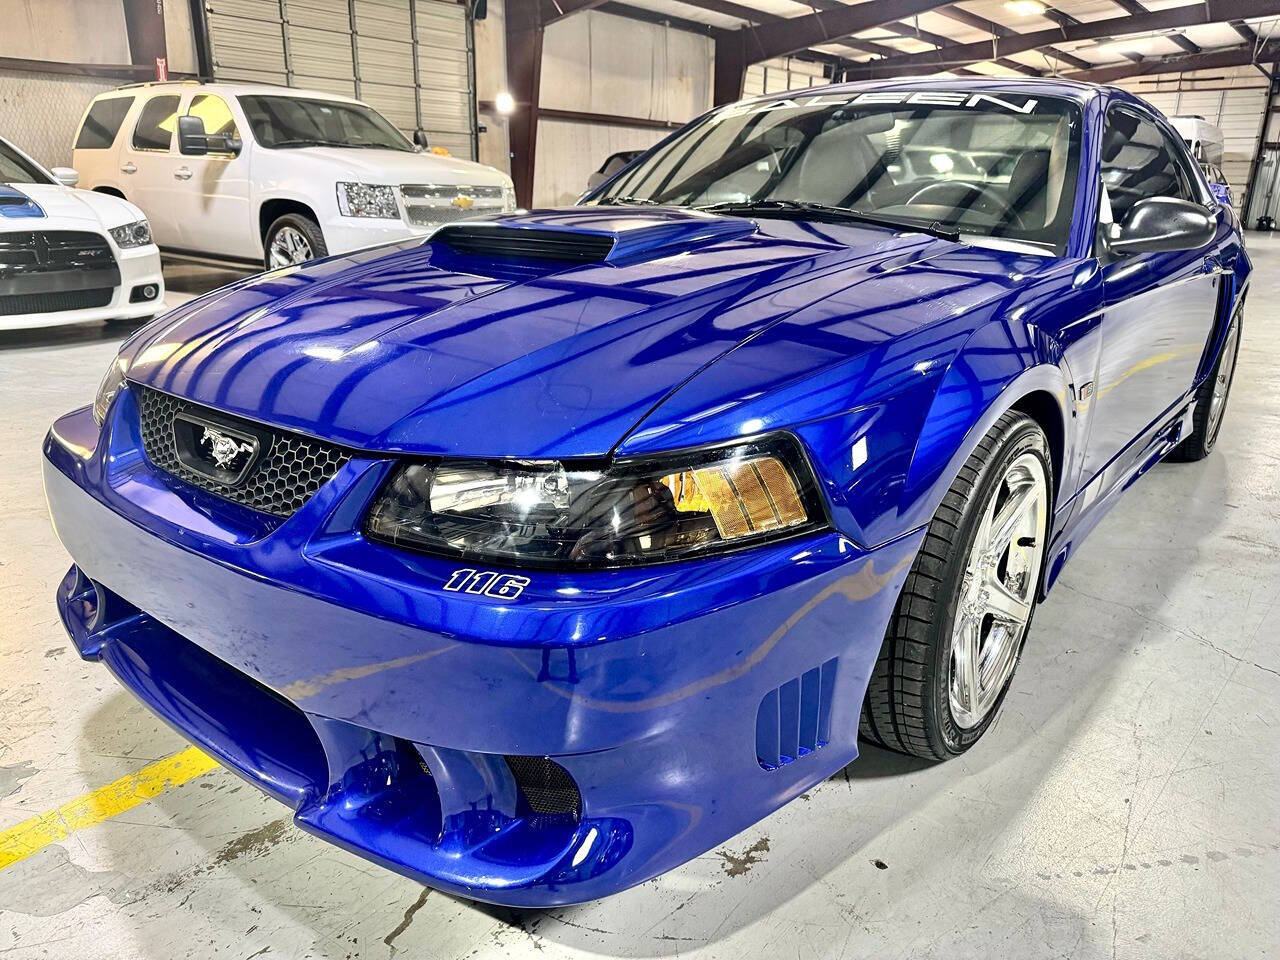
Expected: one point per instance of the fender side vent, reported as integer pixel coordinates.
(546, 786)
(795, 719)
(525, 244)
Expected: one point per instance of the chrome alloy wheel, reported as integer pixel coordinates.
(290, 246)
(998, 590)
(1222, 382)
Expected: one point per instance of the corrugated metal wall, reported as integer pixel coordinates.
(1237, 110)
(786, 73)
(361, 48)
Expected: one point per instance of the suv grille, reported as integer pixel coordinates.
(428, 204)
(290, 469)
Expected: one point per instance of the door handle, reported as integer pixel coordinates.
(182, 173)
(1212, 265)
(129, 168)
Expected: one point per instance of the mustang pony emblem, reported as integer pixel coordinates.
(223, 448)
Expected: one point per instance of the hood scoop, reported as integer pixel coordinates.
(584, 235)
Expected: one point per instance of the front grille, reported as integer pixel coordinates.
(54, 302)
(290, 469)
(46, 251)
(430, 204)
(546, 786)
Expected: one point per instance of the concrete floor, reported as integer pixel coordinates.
(1125, 804)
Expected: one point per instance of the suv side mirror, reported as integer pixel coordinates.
(65, 176)
(1162, 224)
(192, 140)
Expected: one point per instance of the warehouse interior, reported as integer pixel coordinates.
(1124, 804)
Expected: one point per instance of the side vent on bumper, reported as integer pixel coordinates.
(795, 719)
(546, 786)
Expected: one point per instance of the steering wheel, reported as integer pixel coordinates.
(987, 197)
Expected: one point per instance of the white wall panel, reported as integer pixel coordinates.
(56, 30)
(568, 151)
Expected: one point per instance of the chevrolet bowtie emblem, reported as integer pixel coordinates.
(463, 202)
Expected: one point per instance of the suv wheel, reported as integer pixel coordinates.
(294, 238)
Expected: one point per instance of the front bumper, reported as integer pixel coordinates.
(335, 674)
(138, 266)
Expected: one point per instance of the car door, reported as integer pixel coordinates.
(212, 210)
(149, 166)
(1158, 307)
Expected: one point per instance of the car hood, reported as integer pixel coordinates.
(56, 202)
(445, 348)
(398, 166)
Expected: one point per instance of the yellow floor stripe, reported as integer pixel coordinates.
(31, 836)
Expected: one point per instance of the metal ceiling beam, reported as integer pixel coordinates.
(1245, 31)
(550, 11)
(996, 30)
(1134, 7)
(962, 54)
(1243, 55)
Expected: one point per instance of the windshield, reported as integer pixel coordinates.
(15, 168)
(976, 163)
(299, 122)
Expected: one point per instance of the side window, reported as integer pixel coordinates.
(102, 123)
(156, 124)
(1138, 162)
(218, 121)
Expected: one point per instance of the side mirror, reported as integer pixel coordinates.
(65, 176)
(420, 138)
(192, 140)
(1163, 224)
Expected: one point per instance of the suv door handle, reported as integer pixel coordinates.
(129, 168)
(182, 173)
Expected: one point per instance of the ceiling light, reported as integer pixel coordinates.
(1024, 8)
(504, 103)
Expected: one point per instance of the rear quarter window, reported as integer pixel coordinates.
(102, 123)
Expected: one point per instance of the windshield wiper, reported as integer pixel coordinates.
(309, 142)
(825, 211)
(627, 201)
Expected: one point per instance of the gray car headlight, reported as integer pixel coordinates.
(367, 200)
(111, 383)
(136, 234)
(631, 512)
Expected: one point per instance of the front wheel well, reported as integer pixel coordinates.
(1041, 407)
(273, 210)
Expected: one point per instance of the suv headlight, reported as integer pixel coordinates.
(556, 514)
(508, 199)
(136, 234)
(111, 383)
(368, 200)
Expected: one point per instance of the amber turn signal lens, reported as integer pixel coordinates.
(755, 495)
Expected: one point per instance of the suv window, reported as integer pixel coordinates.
(218, 121)
(1138, 161)
(306, 122)
(156, 124)
(102, 123)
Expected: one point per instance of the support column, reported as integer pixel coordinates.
(524, 77)
(730, 67)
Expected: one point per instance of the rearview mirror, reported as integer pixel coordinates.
(192, 140)
(1162, 224)
(65, 176)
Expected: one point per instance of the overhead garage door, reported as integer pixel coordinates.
(410, 59)
(1236, 112)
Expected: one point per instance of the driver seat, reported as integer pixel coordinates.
(1029, 187)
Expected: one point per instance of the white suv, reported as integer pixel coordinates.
(252, 174)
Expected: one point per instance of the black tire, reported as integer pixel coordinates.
(306, 226)
(907, 707)
(1199, 443)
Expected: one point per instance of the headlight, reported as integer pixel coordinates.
(111, 383)
(554, 514)
(368, 200)
(136, 234)
(508, 199)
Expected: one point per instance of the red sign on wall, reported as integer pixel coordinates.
(162, 68)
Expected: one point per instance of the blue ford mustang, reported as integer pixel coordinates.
(533, 560)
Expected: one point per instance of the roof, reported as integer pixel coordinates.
(1047, 86)
(234, 88)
